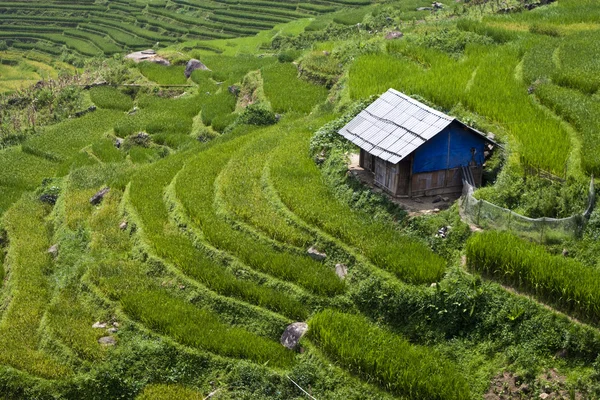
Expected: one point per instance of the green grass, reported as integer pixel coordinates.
(202, 329)
(218, 106)
(195, 188)
(60, 142)
(242, 188)
(162, 115)
(378, 355)
(288, 93)
(147, 198)
(28, 264)
(561, 281)
(163, 75)
(110, 98)
(168, 392)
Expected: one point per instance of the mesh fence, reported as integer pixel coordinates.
(543, 230)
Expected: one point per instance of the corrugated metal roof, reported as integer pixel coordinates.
(394, 126)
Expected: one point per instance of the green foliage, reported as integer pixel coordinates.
(287, 93)
(556, 279)
(255, 114)
(110, 98)
(388, 359)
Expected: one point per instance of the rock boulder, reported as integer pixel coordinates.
(292, 334)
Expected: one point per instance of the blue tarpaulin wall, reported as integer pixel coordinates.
(451, 148)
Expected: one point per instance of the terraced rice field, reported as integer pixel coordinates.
(92, 29)
(182, 279)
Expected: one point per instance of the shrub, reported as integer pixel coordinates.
(257, 115)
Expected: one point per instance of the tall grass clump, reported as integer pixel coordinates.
(110, 98)
(579, 63)
(375, 354)
(561, 281)
(202, 329)
(288, 93)
(299, 183)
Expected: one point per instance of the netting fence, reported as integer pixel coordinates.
(543, 230)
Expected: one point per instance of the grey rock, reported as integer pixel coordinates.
(445, 199)
(437, 199)
(193, 65)
(53, 250)
(99, 196)
(107, 341)
(118, 143)
(292, 334)
(141, 139)
(112, 330)
(424, 9)
(394, 35)
(99, 325)
(123, 225)
(316, 254)
(341, 270)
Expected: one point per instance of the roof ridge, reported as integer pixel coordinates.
(420, 105)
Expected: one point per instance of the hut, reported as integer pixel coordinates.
(414, 150)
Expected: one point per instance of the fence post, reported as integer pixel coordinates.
(542, 232)
(479, 212)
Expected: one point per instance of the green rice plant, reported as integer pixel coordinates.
(101, 42)
(350, 17)
(218, 105)
(375, 354)
(164, 25)
(288, 93)
(168, 392)
(202, 329)
(249, 23)
(162, 74)
(195, 21)
(23, 170)
(28, 263)
(146, 193)
(299, 183)
(242, 190)
(286, 14)
(579, 67)
(537, 61)
(318, 8)
(499, 35)
(110, 98)
(143, 33)
(230, 69)
(118, 35)
(60, 142)
(195, 189)
(581, 110)
(558, 280)
(105, 151)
